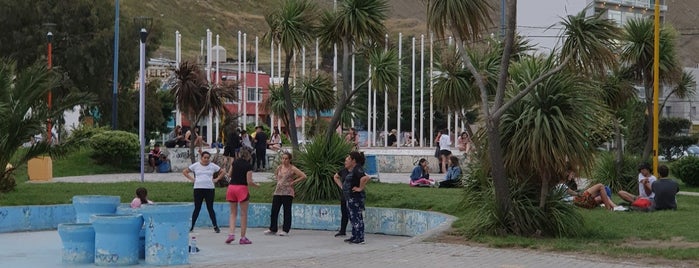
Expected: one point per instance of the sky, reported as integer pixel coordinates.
(535, 16)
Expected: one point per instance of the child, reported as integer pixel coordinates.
(141, 198)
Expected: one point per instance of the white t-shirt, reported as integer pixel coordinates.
(641, 190)
(204, 175)
(444, 142)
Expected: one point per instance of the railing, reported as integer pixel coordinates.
(649, 4)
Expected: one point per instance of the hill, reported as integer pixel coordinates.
(226, 17)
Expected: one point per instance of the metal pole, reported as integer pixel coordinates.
(49, 39)
(412, 98)
(369, 111)
(303, 75)
(240, 95)
(400, 65)
(257, 82)
(209, 60)
(142, 99)
(245, 79)
(115, 74)
(656, 84)
(422, 90)
(385, 106)
(431, 89)
(271, 82)
(178, 61)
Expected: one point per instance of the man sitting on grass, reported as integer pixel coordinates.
(665, 190)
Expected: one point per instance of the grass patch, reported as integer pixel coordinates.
(663, 235)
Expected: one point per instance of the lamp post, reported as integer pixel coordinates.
(142, 97)
(49, 39)
(143, 24)
(115, 74)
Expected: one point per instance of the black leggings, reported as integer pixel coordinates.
(261, 154)
(199, 196)
(344, 219)
(277, 202)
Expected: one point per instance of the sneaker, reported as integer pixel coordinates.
(349, 239)
(245, 241)
(357, 242)
(231, 238)
(620, 208)
(191, 229)
(269, 232)
(340, 234)
(217, 230)
(282, 233)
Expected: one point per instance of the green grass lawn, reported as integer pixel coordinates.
(666, 235)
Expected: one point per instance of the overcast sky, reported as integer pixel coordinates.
(534, 16)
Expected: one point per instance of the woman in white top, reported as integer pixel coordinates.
(202, 174)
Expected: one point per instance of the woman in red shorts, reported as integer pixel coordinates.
(237, 194)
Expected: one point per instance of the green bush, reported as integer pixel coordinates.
(115, 147)
(556, 219)
(320, 160)
(7, 182)
(687, 170)
(604, 172)
(81, 135)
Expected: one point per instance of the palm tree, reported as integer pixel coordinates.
(466, 19)
(685, 88)
(292, 26)
(547, 131)
(637, 54)
(616, 92)
(355, 22)
(23, 115)
(276, 103)
(197, 98)
(317, 94)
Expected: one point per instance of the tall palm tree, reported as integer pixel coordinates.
(317, 94)
(548, 130)
(292, 26)
(637, 54)
(197, 98)
(466, 19)
(276, 103)
(617, 90)
(355, 22)
(23, 114)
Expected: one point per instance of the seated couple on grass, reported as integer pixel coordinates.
(420, 177)
(590, 198)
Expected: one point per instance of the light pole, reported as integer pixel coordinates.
(142, 97)
(49, 39)
(143, 24)
(115, 74)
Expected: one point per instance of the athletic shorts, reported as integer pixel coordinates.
(237, 193)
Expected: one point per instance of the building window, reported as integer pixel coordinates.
(693, 112)
(251, 94)
(668, 111)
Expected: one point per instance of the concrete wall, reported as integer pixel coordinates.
(388, 221)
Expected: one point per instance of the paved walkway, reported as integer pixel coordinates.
(305, 248)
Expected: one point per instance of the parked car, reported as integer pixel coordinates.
(692, 150)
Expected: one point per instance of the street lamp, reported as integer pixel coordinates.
(143, 23)
(49, 39)
(115, 74)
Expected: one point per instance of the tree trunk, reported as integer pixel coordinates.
(545, 178)
(345, 94)
(193, 144)
(290, 111)
(648, 148)
(502, 190)
(619, 151)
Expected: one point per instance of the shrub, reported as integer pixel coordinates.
(556, 219)
(115, 147)
(7, 182)
(687, 170)
(81, 135)
(320, 160)
(604, 172)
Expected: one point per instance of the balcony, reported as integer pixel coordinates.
(649, 4)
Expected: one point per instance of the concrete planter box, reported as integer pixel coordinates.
(116, 239)
(167, 233)
(78, 242)
(87, 205)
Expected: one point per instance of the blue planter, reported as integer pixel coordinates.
(78, 242)
(86, 205)
(167, 233)
(116, 239)
(126, 209)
